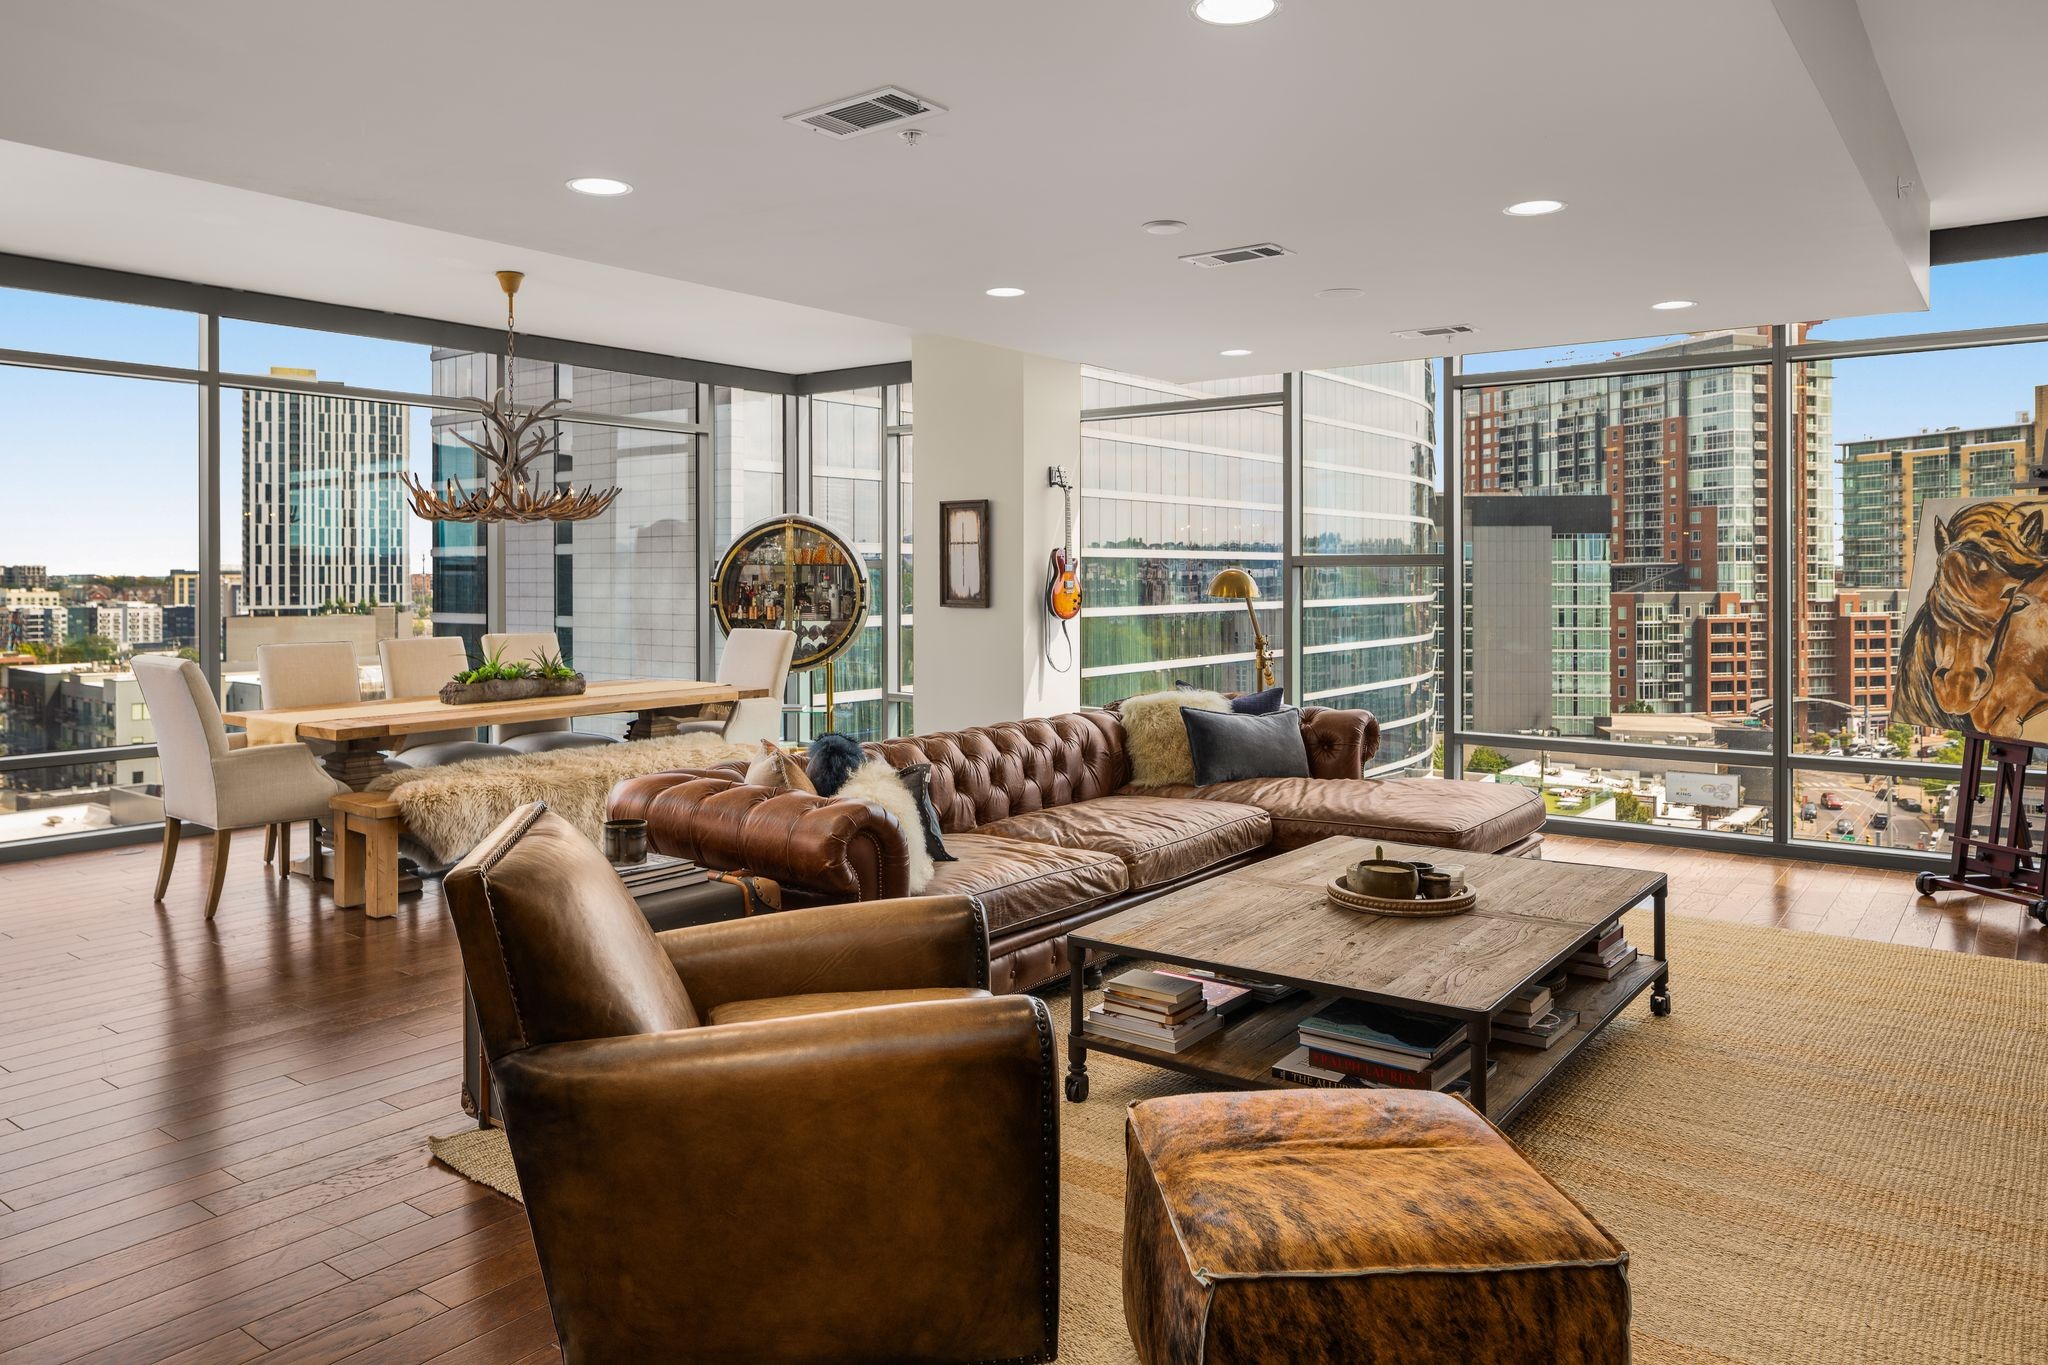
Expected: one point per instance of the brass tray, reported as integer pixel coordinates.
(1416, 907)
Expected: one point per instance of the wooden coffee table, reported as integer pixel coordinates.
(1270, 922)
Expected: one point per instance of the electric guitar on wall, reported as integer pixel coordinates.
(1063, 574)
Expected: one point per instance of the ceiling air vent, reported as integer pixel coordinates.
(1455, 329)
(1237, 255)
(857, 114)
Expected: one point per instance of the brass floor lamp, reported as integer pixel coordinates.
(1233, 585)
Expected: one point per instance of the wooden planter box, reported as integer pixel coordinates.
(510, 689)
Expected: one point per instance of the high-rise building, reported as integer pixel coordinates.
(1682, 459)
(1886, 479)
(23, 576)
(1541, 567)
(1168, 500)
(323, 513)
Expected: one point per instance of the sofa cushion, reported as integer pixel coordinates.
(831, 1002)
(1159, 838)
(1478, 817)
(1018, 882)
(1230, 748)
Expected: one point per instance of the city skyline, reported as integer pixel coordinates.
(152, 488)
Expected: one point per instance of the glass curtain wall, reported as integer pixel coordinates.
(240, 483)
(859, 485)
(1716, 542)
(1324, 486)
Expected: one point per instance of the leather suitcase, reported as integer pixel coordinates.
(707, 903)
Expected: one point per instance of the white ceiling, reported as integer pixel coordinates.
(1966, 78)
(389, 154)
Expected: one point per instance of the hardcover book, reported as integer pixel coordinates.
(1422, 1035)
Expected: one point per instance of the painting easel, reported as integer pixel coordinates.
(2007, 862)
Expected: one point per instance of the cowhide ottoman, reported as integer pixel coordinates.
(1355, 1226)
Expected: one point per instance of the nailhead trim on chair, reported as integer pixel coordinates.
(1049, 1284)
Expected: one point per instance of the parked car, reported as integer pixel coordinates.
(1909, 803)
(1809, 811)
(1830, 801)
(1844, 827)
(1880, 821)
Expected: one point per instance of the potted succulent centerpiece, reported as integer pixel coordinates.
(557, 678)
(497, 679)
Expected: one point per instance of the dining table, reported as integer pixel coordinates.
(351, 740)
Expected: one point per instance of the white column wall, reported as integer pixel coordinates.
(989, 423)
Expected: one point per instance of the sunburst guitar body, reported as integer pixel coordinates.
(1063, 571)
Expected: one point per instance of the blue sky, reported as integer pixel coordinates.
(99, 477)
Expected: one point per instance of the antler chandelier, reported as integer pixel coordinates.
(513, 442)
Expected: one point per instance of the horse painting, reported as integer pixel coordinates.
(1961, 640)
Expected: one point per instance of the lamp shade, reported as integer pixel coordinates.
(1235, 584)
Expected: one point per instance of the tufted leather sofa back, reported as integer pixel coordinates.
(995, 771)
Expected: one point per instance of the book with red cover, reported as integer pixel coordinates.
(1430, 1078)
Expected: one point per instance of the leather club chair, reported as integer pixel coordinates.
(809, 1136)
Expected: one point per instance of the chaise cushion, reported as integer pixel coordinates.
(1477, 817)
(1160, 839)
(1020, 883)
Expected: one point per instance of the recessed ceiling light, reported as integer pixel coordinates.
(1233, 11)
(597, 184)
(1534, 208)
(1672, 305)
(1342, 292)
(1164, 227)
(1004, 292)
(1234, 352)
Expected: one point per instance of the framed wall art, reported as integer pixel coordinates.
(963, 568)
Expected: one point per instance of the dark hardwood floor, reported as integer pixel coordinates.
(212, 1136)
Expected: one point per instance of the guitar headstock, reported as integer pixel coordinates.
(1056, 476)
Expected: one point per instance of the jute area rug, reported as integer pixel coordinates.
(1831, 1151)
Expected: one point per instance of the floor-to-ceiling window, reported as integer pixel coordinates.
(1323, 485)
(207, 482)
(1657, 493)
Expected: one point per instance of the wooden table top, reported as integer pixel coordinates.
(381, 720)
(1271, 920)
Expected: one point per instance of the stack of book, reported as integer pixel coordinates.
(1533, 1017)
(1159, 1010)
(660, 873)
(1604, 958)
(1261, 992)
(1349, 1042)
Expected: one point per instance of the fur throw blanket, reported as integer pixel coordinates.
(450, 809)
(880, 785)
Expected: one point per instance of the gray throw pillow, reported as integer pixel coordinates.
(1228, 746)
(917, 779)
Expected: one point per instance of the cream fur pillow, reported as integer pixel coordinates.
(878, 784)
(1156, 737)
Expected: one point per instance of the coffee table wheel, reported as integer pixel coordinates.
(2039, 910)
(1660, 1004)
(1077, 1088)
(1924, 884)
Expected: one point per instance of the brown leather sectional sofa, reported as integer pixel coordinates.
(1048, 833)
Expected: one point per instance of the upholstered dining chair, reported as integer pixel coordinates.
(753, 659)
(417, 668)
(807, 1136)
(208, 781)
(536, 736)
(310, 673)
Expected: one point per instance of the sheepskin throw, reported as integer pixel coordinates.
(1156, 737)
(774, 766)
(450, 809)
(878, 784)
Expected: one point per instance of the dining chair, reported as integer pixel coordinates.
(208, 781)
(536, 736)
(314, 673)
(754, 659)
(417, 668)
